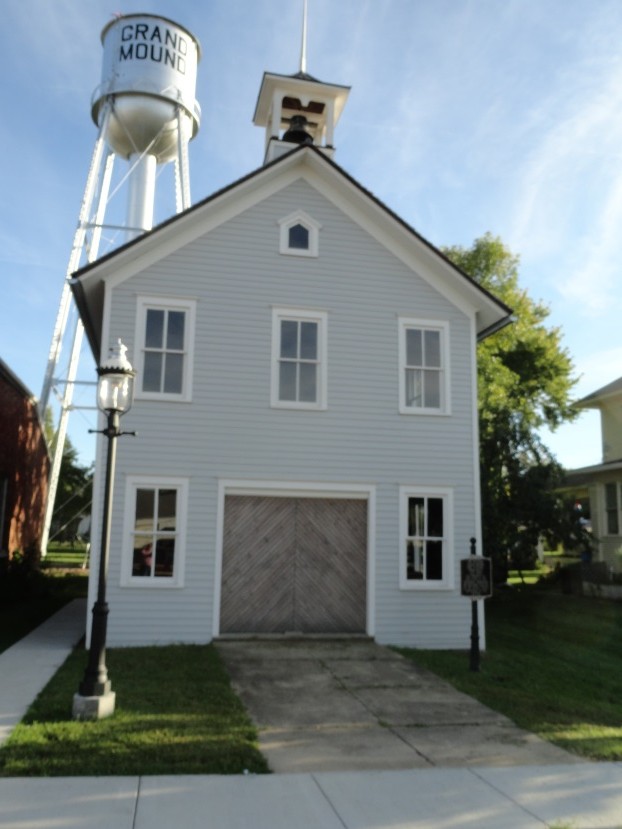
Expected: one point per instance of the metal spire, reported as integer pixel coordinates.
(303, 45)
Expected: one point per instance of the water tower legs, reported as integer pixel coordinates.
(141, 195)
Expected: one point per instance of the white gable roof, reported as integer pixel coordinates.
(310, 164)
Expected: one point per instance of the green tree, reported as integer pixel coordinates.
(525, 378)
(75, 487)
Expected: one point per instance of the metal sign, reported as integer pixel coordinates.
(476, 577)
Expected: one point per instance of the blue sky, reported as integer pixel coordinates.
(465, 116)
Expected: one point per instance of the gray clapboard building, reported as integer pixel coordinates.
(307, 457)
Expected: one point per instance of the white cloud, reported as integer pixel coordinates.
(594, 282)
(569, 202)
(57, 39)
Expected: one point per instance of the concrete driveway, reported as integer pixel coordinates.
(343, 705)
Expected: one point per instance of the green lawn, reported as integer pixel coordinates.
(65, 556)
(553, 665)
(520, 577)
(175, 714)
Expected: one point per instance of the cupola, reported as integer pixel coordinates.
(298, 109)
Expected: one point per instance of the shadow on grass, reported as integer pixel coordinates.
(553, 665)
(176, 713)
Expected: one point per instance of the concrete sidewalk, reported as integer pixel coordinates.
(586, 796)
(27, 666)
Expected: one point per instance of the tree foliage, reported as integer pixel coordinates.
(525, 379)
(75, 488)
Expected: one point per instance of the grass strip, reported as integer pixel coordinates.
(176, 713)
(553, 665)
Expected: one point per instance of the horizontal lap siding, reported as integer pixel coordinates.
(229, 430)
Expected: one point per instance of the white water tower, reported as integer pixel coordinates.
(146, 113)
(145, 106)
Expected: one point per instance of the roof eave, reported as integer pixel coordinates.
(602, 395)
(492, 314)
(264, 96)
(84, 306)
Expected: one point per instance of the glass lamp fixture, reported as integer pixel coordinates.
(116, 381)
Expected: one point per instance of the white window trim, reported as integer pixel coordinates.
(447, 582)
(295, 218)
(132, 484)
(406, 323)
(165, 303)
(321, 317)
(618, 490)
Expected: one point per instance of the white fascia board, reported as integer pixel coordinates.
(404, 244)
(596, 469)
(180, 231)
(603, 395)
(311, 166)
(187, 229)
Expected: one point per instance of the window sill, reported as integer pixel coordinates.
(151, 584)
(404, 410)
(163, 398)
(309, 254)
(425, 587)
(300, 407)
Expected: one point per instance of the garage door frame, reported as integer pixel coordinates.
(284, 489)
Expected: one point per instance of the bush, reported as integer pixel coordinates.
(597, 573)
(20, 575)
(567, 576)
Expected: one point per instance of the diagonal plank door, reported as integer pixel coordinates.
(330, 576)
(294, 564)
(257, 593)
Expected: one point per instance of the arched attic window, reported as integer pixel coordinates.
(299, 235)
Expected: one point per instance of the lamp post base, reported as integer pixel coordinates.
(93, 708)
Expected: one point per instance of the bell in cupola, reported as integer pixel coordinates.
(297, 133)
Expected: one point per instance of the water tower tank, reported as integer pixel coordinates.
(149, 71)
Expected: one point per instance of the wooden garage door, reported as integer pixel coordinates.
(294, 564)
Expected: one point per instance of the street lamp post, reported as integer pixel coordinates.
(95, 699)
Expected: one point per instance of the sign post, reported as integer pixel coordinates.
(476, 583)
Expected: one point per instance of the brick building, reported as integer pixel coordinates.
(24, 466)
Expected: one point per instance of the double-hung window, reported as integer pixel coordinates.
(298, 359)
(612, 508)
(424, 370)
(426, 519)
(165, 331)
(155, 529)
